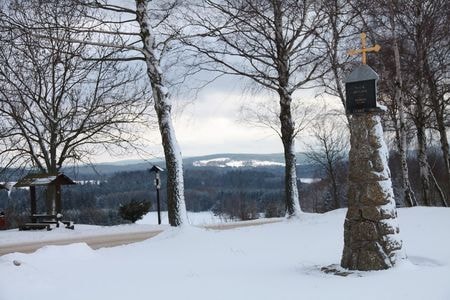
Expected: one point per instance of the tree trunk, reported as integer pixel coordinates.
(421, 119)
(423, 165)
(444, 144)
(287, 123)
(408, 193)
(334, 186)
(288, 139)
(332, 175)
(409, 198)
(175, 185)
(174, 164)
(438, 188)
(439, 114)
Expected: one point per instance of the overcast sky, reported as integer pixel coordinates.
(210, 124)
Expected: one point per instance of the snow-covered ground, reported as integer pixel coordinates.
(148, 223)
(195, 218)
(274, 261)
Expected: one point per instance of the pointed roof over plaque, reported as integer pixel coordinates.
(362, 73)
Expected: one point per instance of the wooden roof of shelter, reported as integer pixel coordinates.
(156, 168)
(6, 185)
(43, 179)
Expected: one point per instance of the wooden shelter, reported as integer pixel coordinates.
(53, 183)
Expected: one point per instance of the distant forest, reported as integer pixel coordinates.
(233, 193)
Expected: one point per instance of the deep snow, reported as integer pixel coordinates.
(273, 261)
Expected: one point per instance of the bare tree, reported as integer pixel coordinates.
(408, 193)
(337, 35)
(264, 112)
(410, 31)
(330, 134)
(417, 21)
(56, 106)
(141, 31)
(392, 90)
(153, 52)
(272, 43)
(436, 26)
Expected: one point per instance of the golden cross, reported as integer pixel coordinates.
(363, 49)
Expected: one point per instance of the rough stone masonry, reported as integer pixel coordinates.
(371, 232)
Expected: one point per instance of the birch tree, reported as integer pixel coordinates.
(406, 30)
(417, 21)
(151, 23)
(436, 26)
(274, 44)
(408, 193)
(392, 9)
(153, 52)
(140, 31)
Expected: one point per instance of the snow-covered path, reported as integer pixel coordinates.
(95, 242)
(98, 237)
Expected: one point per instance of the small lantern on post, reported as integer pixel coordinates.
(157, 182)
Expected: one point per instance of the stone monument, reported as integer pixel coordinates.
(371, 232)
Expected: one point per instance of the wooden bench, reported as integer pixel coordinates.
(42, 217)
(69, 224)
(35, 226)
(50, 219)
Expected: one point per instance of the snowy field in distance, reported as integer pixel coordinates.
(274, 261)
(223, 162)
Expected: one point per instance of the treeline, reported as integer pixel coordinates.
(232, 193)
(228, 192)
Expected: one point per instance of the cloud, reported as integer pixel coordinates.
(211, 125)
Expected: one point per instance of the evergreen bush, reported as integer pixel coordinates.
(134, 210)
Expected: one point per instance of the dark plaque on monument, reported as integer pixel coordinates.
(361, 90)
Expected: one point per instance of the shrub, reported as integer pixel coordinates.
(274, 210)
(134, 210)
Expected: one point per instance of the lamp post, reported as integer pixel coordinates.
(156, 170)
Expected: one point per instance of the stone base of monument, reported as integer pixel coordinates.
(371, 240)
(336, 270)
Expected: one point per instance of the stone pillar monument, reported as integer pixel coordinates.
(371, 240)
(371, 232)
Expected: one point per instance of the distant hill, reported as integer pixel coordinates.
(226, 160)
